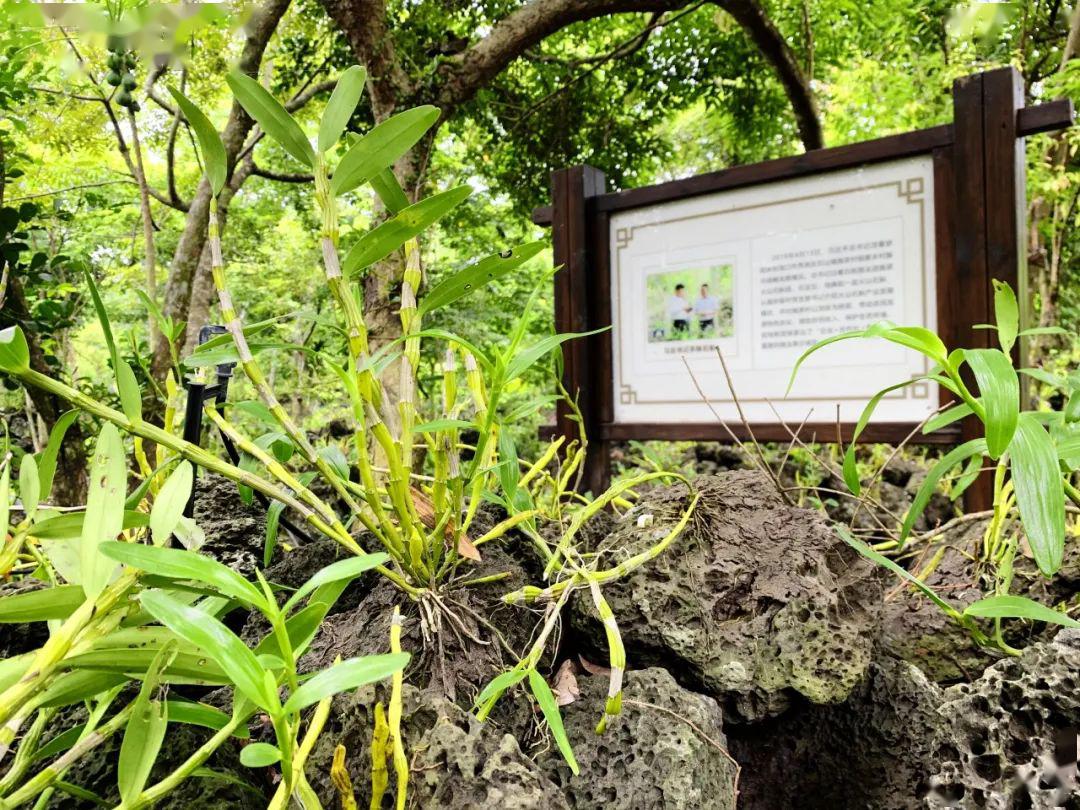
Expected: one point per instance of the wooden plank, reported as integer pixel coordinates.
(890, 433)
(1048, 117)
(1052, 115)
(572, 249)
(893, 147)
(950, 314)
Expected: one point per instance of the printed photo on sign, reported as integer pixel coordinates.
(690, 304)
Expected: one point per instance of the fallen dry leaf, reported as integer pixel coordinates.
(593, 669)
(566, 687)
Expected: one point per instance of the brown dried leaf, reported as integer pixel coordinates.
(467, 550)
(566, 686)
(425, 510)
(593, 669)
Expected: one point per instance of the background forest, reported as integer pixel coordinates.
(102, 177)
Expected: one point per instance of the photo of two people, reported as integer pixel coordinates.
(690, 304)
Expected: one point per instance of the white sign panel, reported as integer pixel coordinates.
(762, 273)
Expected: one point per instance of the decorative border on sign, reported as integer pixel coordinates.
(910, 189)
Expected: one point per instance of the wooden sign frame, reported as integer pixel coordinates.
(980, 218)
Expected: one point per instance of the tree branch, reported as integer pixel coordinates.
(365, 27)
(522, 29)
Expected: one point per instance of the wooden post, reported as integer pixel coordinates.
(989, 217)
(573, 244)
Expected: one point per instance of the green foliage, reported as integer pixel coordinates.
(1033, 452)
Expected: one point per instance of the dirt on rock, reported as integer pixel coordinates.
(455, 761)
(757, 602)
(667, 748)
(915, 629)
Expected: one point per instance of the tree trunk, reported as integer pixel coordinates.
(70, 481)
(189, 250)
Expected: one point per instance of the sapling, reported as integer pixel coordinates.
(1034, 455)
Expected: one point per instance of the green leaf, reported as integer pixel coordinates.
(70, 524)
(1071, 413)
(145, 732)
(333, 455)
(216, 640)
(1005, 606)
(376, 151)
(49, 456)
(499, 684)
(215, 162)
(271, 116)
(947, 417)
(388, 188)
(273, 522)
(957, 455)
(347, 569)
(999, 390)
(477, 275)
(379, 243)
(250, 331)
(821, 344)
(850, 469)
(525, 359)
(103, 319)
(200, 714)
(302, 625)
(59, 744)
(1040, 494)
(550, 709)
(1007, 314)
(29, 485)
(967, 477)
(259, 755)
(169, 504)
(920, 339)
(130, 395)
(899, 570)
(176, 563)
(1044, 330)
(57, 602)
(345, 676)
(189, 666)
(340, 107)
(104, 517)
(191, 713)
(75, 687)
(14, 353)
(1045, 377)
(229, 353)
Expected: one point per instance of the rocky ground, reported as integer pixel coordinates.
(771, 667)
